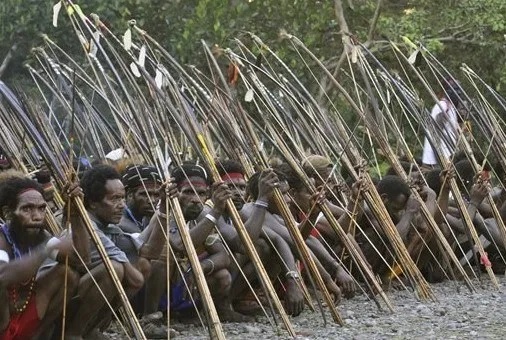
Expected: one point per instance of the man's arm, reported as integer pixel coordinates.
(23, 269)
(404, 225)
(205, 225)
(80, 238)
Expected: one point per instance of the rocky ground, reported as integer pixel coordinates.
(457, 315)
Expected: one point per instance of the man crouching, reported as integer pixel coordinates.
(31, 299)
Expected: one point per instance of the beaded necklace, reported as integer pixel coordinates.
(13, 291)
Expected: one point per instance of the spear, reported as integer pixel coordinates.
(445, 246)
(60, 177)
(470, 229)
(405, 261)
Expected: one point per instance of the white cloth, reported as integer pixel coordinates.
(117, 154)
(449, 134)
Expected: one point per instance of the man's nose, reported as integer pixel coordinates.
(38, 215)
(195, 199)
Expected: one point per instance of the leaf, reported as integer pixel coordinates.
(127, 39)
(84, 42)
(249, 95)
(135, 69)
(75, 9)
(412, 57)
(408, 42)
(56, 11)
(93, 45)
(142, 56)
(159, 78)
(354, 54)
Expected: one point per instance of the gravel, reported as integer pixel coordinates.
(458, 314)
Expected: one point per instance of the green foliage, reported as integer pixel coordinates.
(466, 31)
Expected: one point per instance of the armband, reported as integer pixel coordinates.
(211, 218)
(292, 274)
(261, 204)
(52, 242)
(4, 257)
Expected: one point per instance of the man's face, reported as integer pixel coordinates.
(395, 205)
(30, 212)
(192, 195)
(323, 176)
(238, 188)
(110, 209)
(301, 200)
(143, 199)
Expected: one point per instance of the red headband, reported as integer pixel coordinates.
(194, 183)
(232, 176)
(26, 190)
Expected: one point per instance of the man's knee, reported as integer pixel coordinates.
(223, 278)
(144, 266)
(263, 248)
(133, 278)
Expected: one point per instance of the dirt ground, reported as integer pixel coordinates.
(458, 314)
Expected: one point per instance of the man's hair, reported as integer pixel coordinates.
(392, 186)
(252, 186)
(190, 169)
(452, 90)
(137, 175)
(230, 166)
(94, 180)
(407, 166)
(465, 173)
(478, 156)
(313, 165)
(433, 178)
(12, 187)
(289, 175)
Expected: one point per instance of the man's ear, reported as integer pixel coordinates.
(7, 213)
(384, 198)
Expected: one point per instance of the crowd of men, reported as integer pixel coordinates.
(41, 273)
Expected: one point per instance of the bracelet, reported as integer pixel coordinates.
(292, 274)
(212, 266)
(53, 253)
(211, 218)
(261, 204)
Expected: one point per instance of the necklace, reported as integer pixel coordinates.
(18, 307)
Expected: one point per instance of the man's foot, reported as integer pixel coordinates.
(248, 307)
(229, 315)
(153, 331)
(154, 328)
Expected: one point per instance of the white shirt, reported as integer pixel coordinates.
(449, 135)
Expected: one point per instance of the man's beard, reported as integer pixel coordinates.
(33, 234)
(192, 213)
